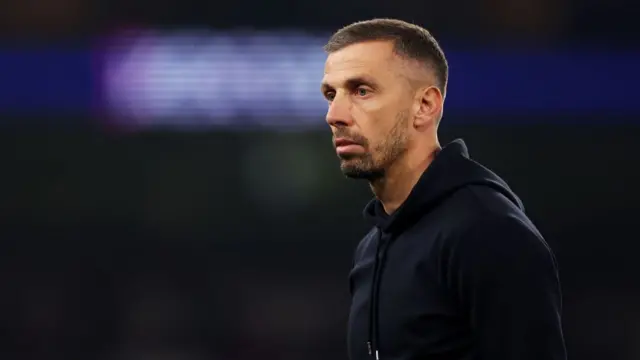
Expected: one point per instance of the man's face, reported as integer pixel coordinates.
(369, 107)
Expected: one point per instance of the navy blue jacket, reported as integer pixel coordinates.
(458, 272)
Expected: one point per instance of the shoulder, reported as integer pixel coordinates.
(508, 229)
(500, 243)
(490, 226)
(482, 208)
(482, 202)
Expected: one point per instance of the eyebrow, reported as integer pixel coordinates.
(352, 83)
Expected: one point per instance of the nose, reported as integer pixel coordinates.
(339, 113)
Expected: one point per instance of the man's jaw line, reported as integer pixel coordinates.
(394, 187)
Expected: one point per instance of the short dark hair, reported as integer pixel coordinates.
(410, 41)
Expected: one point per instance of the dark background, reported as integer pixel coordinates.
(234, 242)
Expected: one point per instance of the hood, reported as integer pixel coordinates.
(451, 170)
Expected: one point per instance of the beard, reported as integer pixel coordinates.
(361, 167)
(373, 163)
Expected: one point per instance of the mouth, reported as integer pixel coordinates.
(346, 146)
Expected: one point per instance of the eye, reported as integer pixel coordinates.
(330, 95)
(362, 91)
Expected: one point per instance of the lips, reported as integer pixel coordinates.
(347, 147)
(344, 142)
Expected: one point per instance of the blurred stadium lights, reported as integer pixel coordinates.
(199, 79)
(211, 78)
(208, 78)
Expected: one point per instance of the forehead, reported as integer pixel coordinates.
(372, 59)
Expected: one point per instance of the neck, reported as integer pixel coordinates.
(394, 188)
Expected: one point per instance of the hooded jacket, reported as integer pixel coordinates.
(458, 272)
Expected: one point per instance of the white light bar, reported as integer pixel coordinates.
(215, 79)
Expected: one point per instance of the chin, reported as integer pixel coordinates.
(357, 171)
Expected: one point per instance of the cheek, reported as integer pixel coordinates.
(373, 105)
(379, 142)
(374, 113)
(375, 119)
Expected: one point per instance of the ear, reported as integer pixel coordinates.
(428, 107)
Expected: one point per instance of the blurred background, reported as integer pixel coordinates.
(169, 190)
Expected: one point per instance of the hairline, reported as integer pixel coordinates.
(399, 54)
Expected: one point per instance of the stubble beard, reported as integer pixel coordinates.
(368, 166)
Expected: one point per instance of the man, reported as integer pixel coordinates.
(453, 268)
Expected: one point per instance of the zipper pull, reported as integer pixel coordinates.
(369, 347)
(377, 355)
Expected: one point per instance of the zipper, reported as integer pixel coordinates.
(374, 328)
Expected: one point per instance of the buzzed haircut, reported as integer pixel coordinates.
(410, 42)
